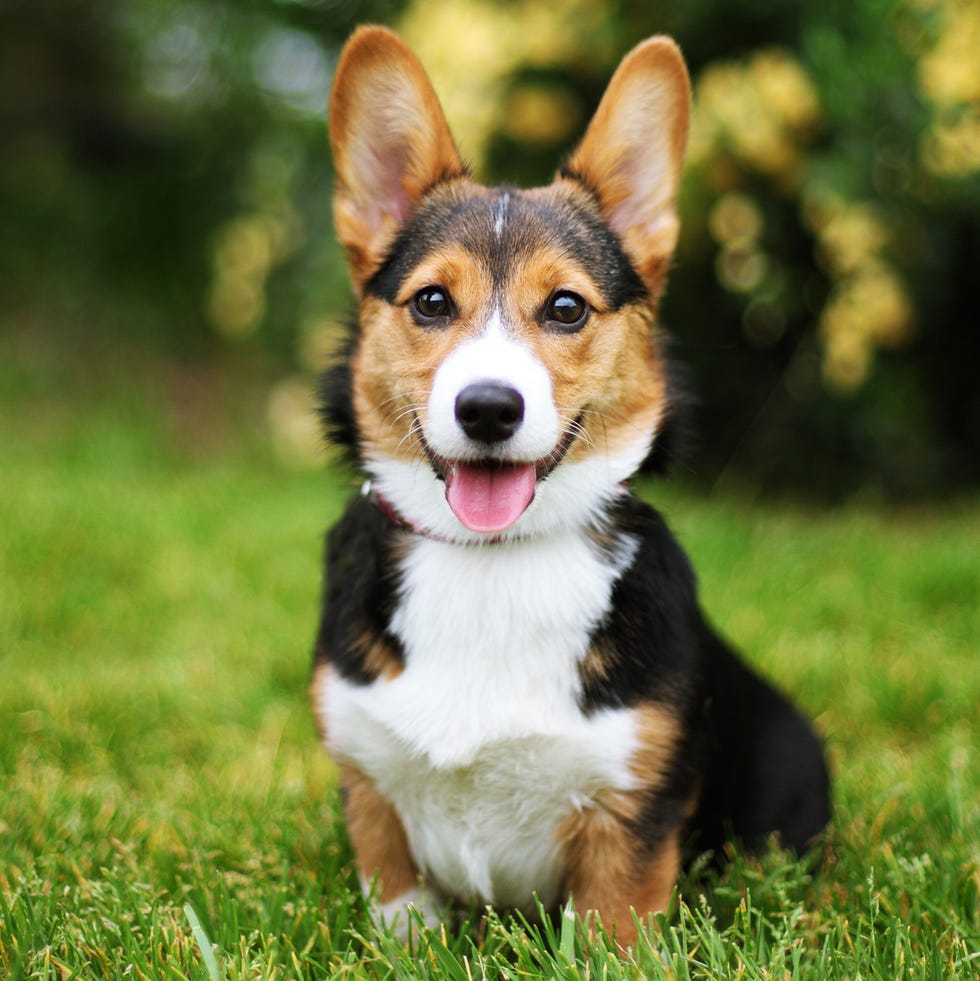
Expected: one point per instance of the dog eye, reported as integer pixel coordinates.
(432, 303)
(567, 310)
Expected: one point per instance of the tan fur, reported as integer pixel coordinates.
(460, 272)
(609, 868)
(378, 657)
(378, 837)
(393, 371)
(632, 151)
(611, 873)
(658, 735)
(611, 372)
(611, 376)
(390, 143)
(599, 660)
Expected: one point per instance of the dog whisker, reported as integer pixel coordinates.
(412, 435)
(393, 419)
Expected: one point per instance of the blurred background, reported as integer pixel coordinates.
(165, 213)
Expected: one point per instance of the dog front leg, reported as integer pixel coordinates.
(389, 875)
(611, 871)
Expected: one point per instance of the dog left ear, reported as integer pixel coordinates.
(391, 144)
(631, 154)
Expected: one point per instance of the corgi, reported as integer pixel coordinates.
(512, 670)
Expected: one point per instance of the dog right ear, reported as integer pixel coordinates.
(630, 156)
(390, 143)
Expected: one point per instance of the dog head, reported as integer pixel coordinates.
(505, 376)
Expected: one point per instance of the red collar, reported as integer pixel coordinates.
(400, 521)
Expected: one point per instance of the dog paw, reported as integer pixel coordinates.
(403, 915)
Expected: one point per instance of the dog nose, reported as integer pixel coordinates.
(489, 412)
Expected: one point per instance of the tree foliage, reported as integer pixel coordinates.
(164, 177)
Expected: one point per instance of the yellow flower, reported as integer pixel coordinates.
(852, 236)
(735, 216)
(951, 148)
(761, 111)
(741, 268)
(950, 72)
(867, 310)
(785, 88)
(846, 362)
(879, 297)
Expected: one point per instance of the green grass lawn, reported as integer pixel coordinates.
(165, 811)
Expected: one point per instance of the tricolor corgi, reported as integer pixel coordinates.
(512, 670)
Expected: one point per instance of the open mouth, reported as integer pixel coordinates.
(488, 495)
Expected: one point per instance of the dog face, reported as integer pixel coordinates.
(506, 375)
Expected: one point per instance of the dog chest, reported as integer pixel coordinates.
(480, 742)
(488, 830)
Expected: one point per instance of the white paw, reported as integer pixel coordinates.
(401, 915)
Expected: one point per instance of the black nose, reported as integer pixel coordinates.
(489, 412)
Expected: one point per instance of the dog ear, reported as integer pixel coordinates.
(390, 144)
(630, 156)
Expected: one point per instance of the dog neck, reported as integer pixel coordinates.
(396, 518)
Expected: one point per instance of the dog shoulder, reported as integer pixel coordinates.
(648, 648)
(360, 595)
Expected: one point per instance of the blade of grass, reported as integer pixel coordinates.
(204, 944)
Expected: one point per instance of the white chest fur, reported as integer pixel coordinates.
(480, 742)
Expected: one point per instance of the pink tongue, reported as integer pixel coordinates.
(490, 497)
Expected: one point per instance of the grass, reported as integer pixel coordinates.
(165, 811)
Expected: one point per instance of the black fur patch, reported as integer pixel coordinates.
(335, 401)
(759, 763)
(652, 625)
(676, 436)
(360, 590)
(450, 216)
(763, 766)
